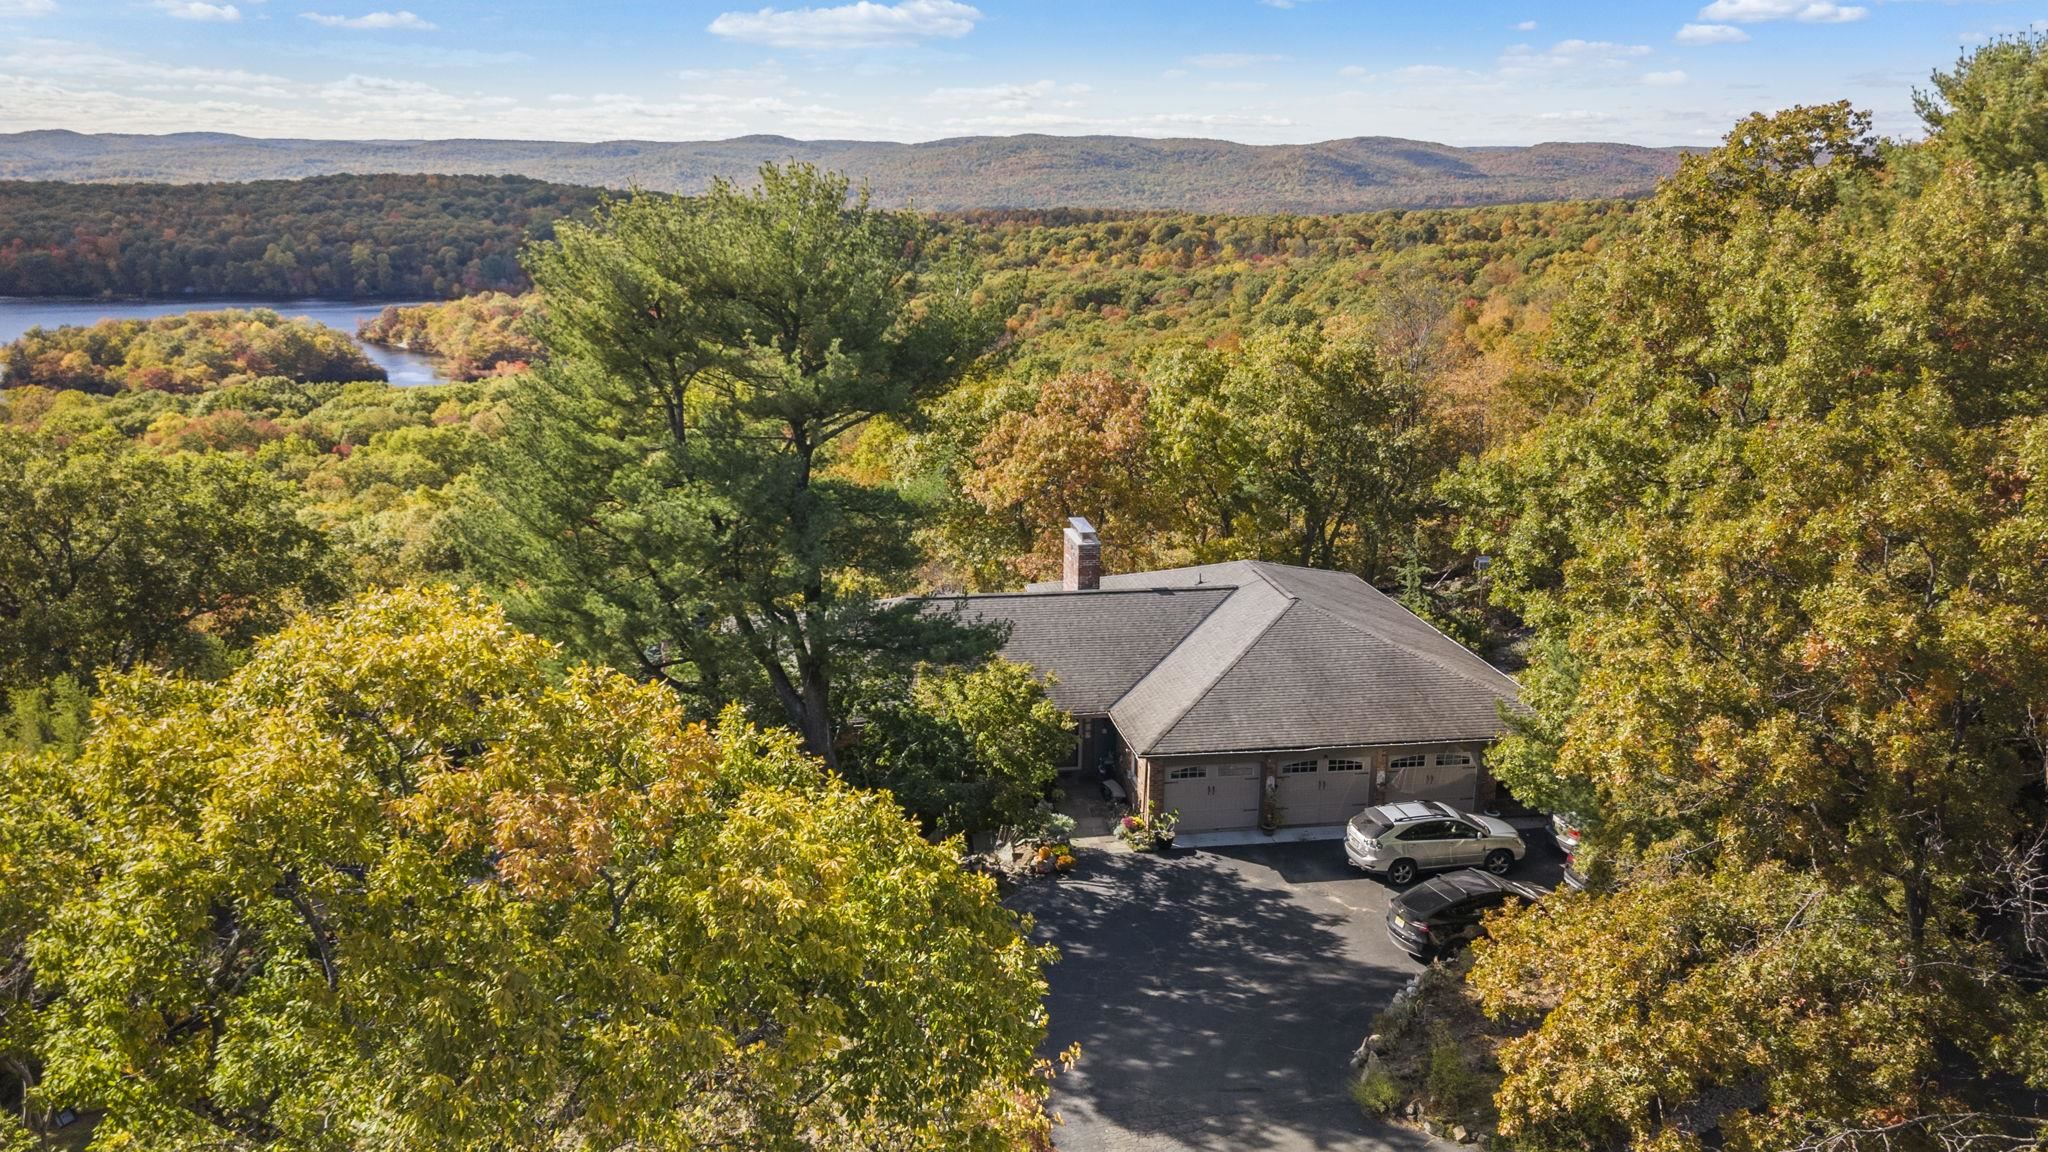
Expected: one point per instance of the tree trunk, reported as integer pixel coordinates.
(816, 720)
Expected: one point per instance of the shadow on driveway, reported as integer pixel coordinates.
(1215, 1002)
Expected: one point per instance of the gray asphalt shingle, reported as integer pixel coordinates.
(1096, 645)
(1250, 656)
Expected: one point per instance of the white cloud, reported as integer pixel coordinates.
(1008, 97)
(1805, 11)
(199, 10)
(67, 58)
(769, 73)
(1432, 73)
(1551, 88)
(1711, 34)
(1526, 26)
(372, 21)
(9, 8)
(860, 25)
(1232, 59)
(1571, 54)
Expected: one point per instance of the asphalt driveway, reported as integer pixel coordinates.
(1217, 996)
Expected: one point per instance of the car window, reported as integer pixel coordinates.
(1424, 830)
(1471, 908)
(1427, 899)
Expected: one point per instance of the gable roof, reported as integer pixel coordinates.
(1279, 658)
(1096, 645)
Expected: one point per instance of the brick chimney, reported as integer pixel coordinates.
(1081, 566)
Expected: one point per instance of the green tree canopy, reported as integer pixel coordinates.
(964, 750)
(1784, 542)
(111, 556)
(400, 883)
(1299, 448)
(1994, 106)
(663, 499)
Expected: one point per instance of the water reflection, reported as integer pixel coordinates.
(19, 314)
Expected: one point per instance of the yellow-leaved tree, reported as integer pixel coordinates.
(403, 882)
(1783, 538)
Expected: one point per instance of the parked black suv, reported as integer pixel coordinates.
(1441, 915)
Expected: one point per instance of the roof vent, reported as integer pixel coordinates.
(1081, 561)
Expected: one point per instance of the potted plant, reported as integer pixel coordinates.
(1151, 832)
(1131, 830)
(1163, 825)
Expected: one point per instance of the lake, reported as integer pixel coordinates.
(19, 314)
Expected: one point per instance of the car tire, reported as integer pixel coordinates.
(1499, 861)
(1401, 873)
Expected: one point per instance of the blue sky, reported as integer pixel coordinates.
(1261, 71)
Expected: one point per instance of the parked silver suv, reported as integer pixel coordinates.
(1402, 841)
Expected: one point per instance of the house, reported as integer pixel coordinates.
(1247, 693)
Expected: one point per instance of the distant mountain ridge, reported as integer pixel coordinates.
(1029, 171)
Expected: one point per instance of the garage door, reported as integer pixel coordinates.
(1322, 791)
(1211, 796)
(1452, 777)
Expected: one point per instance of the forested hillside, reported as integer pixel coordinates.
(1028, 171)
(308, 848)
(340, 236)
(1099, 309)
(1103, 288)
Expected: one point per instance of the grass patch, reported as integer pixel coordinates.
(1433, 1059)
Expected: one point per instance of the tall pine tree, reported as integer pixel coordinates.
(664, 498)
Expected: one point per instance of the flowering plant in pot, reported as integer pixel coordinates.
(1148, 832)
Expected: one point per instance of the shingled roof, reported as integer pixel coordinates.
(1250, 656)
(1096, 645)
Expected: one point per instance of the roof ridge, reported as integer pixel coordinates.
(1454, 669)
(1213, 608)
(1053, 592)
(1259, 567)
(1196, 698)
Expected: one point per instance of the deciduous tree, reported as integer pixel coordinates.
(112, 557)
(1784, 542)
(965, 750)
(1302, 446)
(401, 883)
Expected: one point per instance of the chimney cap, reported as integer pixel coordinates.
(1080, 529)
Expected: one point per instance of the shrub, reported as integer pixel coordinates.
(1450, 1084)
(1376, 1092)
